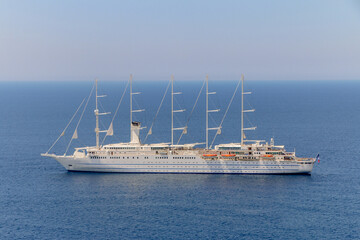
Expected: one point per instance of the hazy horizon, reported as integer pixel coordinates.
(83, 40)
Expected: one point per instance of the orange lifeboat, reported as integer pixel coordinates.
(267, 155)
(228, 155)
(209, 155)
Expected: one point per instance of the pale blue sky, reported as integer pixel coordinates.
(265, 40)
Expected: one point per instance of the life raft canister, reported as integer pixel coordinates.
(228, 155)
(209, 155)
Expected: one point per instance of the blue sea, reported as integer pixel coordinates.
(39, 199)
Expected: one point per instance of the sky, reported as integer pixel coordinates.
(80, 40)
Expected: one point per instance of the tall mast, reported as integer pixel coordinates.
(242, 109)
(172, 110)
(131, 111)
(96, 114)
(207, 111)
(132, 128)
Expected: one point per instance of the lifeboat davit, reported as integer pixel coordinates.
(209, 155)
(228, 155)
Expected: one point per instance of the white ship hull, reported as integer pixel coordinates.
(194, 165)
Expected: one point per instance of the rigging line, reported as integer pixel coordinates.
(222, 120)
(248, 119)
(138, 102)
(82, 114)
(137, 105)
(248, 103)
(117, 109)
(101, 106)
(177, 121)
(214, 104)
(102, 124)
(177, 103)
(142, 112)
(63, 132)
(188, 120)
(162, 100)
(212, 119)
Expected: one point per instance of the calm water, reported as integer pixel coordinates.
(40, 200)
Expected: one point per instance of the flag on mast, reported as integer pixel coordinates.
(150, 131)
(317, 158)
(75, 135)
(110, 131)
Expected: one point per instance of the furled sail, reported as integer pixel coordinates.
(75, 135)
(219, 131)
(110, 131)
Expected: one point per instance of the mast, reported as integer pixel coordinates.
(244, 111)
(172, 110)
(131, 111)
(134, 128)
(96, 114)
(207, 112)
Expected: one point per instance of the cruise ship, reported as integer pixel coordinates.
(244, 157)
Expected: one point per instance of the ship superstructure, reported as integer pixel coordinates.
(245, 157)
